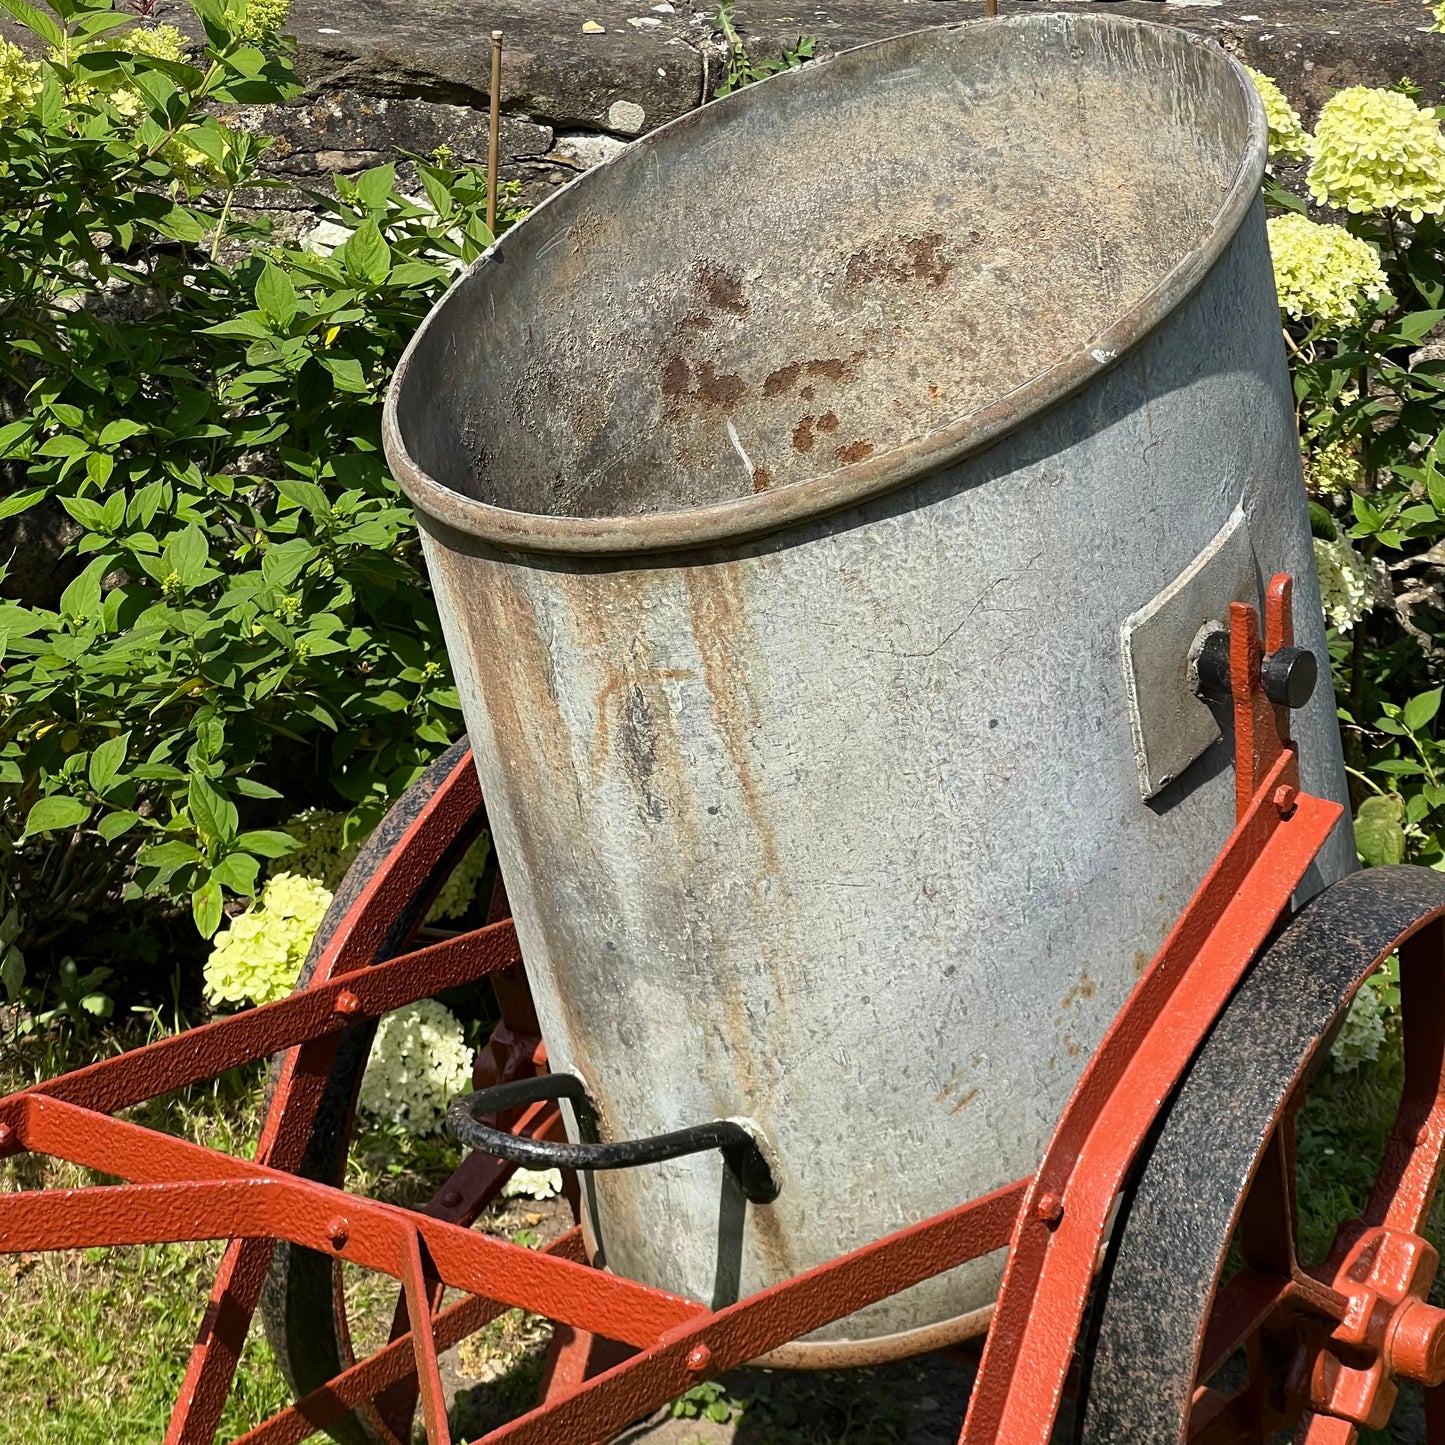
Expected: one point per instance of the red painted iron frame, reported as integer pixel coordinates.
(1052, 1224)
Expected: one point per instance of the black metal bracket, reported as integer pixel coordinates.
(740, 1151)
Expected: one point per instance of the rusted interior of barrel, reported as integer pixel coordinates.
(827, 268)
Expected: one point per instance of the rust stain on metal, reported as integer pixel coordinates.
(707, 385)
(762, 479)
(854, 451)
(723, 289)
(1085, 988)
(828, 421)
(904, 259)
(782, 379)
(967, 1099)
(1141, 964)
(803, 437)
(625, 694)
(718, 620)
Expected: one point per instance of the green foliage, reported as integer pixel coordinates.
(708, 1401)
(743, 69)
(247, 618)
(1371, 401)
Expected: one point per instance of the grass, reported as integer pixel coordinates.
(94, 1343)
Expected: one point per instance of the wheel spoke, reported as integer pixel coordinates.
(1435, 1416)
(1267, 1220)
(1410, 1171)
(1325, 1430)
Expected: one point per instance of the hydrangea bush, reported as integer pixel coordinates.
(1362, 294)
(247, 627)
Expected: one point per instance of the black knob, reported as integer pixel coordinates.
(1289, 676)
(1211, 666)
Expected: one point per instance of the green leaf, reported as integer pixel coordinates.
(250, 788)
(206, 907)
(81, 600)
(1411, 329)
(374, 187)
(1322, 524)
(106, 761)
(12, 974)
(366, 254)
(20, 502)
(35, 20)
(276, 296)
(214, 814)
(1379, 836)
(249, 324)
(170, 855)
(54, 814)
(282, 564)
(98, 467)
(187, 553)
(179, 224)
(114, 825)
(347, 371)
(238, 872)
(1421, 708)
(62, 446)
(120, 430)
(304, 494)
(267, 842)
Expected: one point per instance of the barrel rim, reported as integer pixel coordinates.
(749, 517)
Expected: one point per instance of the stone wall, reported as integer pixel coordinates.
(409, 75)
(399, 75)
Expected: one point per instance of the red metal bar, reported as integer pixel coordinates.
(424, 1345)
(358, 941)
(1026, 1358)
(302, 1211)
(376, 1374)
(718, 1342)
(314, 1013)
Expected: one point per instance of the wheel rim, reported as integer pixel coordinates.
(1324, 1346)
(303, 1305)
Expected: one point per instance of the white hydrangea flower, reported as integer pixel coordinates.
(1363, 1032)
(418, 1062)
(533, 1184)
(1346, 587)
(258, 957)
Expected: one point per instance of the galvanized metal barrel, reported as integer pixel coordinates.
(812, 494)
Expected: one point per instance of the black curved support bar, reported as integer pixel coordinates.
(739, 1149)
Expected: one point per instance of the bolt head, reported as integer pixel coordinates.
(699, 1357)
(1417, 1343)
(451, 1198)
(347, 1002)
(337, 1232)
(1285, 799)
(1048, 1208)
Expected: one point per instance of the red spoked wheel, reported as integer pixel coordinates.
(378, 913)
(1207, 1326)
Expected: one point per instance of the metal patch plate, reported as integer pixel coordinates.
(1171, 725)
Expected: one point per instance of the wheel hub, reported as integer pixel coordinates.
(1387, 1332)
